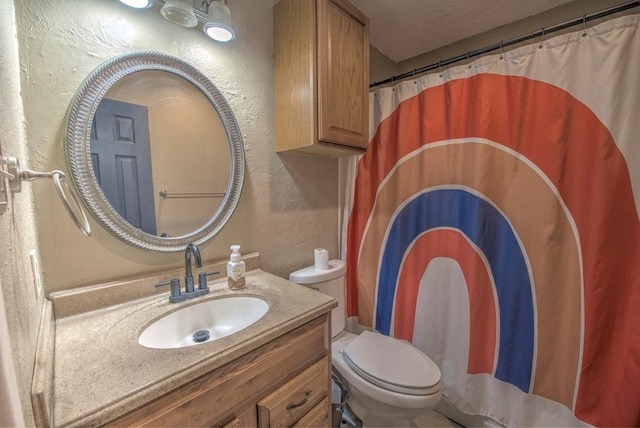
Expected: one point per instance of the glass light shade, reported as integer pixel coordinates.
(179, 12)
(138, 4)
(218, 25)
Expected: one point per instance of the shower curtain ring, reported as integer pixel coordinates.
(414, 76)
(541, 39)
(468, 61)
(584, 25)
(440, 67)
(501, 50)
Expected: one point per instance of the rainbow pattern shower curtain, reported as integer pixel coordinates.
(493, 223)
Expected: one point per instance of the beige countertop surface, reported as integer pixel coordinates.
(101, 372)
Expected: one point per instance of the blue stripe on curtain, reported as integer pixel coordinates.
(485, 226)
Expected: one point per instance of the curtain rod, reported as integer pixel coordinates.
(540, 33)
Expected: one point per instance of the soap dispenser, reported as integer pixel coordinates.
(235, 269)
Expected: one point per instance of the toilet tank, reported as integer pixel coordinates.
(327, 281)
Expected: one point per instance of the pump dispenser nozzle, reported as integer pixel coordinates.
(235, 253)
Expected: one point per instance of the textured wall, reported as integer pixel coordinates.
(22, 306)
(289, 203)
(381, 66)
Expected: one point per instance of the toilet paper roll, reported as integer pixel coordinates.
(321, 258)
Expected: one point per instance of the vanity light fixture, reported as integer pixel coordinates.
(218, 25)
(213, 14)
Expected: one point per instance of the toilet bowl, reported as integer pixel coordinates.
(389, 380)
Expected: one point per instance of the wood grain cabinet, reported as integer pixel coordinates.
(321, 77)
(285, 382)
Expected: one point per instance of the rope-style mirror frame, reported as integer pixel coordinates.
(78, 145)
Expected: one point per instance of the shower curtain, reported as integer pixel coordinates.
(493, 223)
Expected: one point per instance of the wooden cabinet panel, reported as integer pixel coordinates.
(235, 423)
(248, 418)
(321, 77)
(295, 74)
(319, 416)
(343, 77)
(295, 398)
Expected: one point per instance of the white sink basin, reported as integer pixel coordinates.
(211, 320)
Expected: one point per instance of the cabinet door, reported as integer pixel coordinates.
(294, 23)
(343, 74)
(294, 399)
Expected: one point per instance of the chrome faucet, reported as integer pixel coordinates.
(191, 249)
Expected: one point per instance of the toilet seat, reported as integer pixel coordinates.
(392, 364)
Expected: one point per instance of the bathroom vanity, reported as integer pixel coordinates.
(276, 372)
(278, 384)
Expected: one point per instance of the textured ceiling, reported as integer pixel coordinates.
(402, 29)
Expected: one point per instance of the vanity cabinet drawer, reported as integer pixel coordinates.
(319, 416)
(297, 397)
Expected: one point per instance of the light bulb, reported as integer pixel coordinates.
(219, 33)
(218, 25)
(138, 4)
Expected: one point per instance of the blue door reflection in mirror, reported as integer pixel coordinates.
(121, 158)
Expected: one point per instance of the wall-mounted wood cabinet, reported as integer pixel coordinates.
(321, 77)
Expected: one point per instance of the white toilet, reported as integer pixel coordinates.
(389, 380)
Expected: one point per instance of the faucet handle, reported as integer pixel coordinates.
(202, 281)
(175, 296)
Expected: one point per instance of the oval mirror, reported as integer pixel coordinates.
(155, 151)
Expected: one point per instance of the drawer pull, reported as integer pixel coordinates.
(301, 403)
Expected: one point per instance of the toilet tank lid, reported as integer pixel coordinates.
(311, 275)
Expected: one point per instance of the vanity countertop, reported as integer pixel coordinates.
(101, 371)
